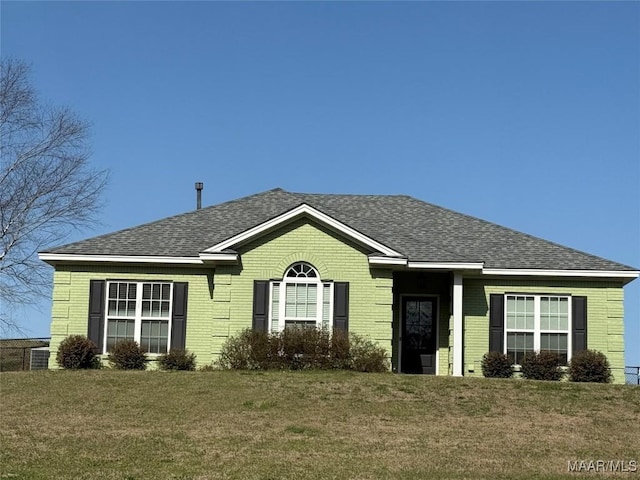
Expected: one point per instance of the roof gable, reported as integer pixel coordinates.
(302, 210)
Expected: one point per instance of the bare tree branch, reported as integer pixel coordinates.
(47, 187)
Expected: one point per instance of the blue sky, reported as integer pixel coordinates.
(524, 114)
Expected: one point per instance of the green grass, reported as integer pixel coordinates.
(317, 425)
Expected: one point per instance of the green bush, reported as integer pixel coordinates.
(127, 355)
(366, 356)
(589, 366)
(496, 365)
(177, 359)
(77, 352)
(544, 365)
(265, 351)
(247, 351)
(340, 351)
(304, 349)
(301, 349)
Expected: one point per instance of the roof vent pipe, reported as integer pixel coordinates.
(199, 186)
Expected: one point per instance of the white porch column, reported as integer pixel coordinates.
(457, 324)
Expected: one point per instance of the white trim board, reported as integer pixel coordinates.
(71, 257)
(404, 262)
(562, 273)
(219, 257)
(391, 261)
(446, 265)
(378, 260)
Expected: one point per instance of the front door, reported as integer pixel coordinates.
(418, 335)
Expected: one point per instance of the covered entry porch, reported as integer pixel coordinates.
(427, 322)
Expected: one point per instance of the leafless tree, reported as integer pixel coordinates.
(47, 187)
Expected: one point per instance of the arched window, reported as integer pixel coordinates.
(301, 299)
(301, 270)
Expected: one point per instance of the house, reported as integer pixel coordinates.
(436, 288)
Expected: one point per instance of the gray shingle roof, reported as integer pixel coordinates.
(419, 230)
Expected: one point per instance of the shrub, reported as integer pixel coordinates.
(127, 355)
(239, 352)
(177, 359)
(302, 349)
(589, 366)
(77, 352)
(340, 351)
(264, 351)
(496, 365)
(366, 356)
(544, 365)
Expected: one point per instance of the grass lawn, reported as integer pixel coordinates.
(307, 425)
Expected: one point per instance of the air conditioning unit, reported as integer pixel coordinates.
(39, 358)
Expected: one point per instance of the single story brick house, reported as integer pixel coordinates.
(436, 288)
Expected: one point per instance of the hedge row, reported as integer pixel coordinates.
(585, 366)
(78, 352)
(307, 349)
(302, 349)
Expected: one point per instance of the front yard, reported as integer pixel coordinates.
(307, 425)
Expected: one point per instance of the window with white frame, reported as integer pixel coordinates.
(139, 311)
(535, 323)
(301, 299)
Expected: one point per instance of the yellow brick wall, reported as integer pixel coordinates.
(605, 323)
(220, 301)
(70, 310)
(370, 290)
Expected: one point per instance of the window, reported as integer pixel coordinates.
(139, 311)
(301, 299)
(535, 323)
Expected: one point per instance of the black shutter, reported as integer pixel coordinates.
(260, 305)
(579, 323)
(95, 329)
(179, 315)
(496, 322)
(341, 306)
